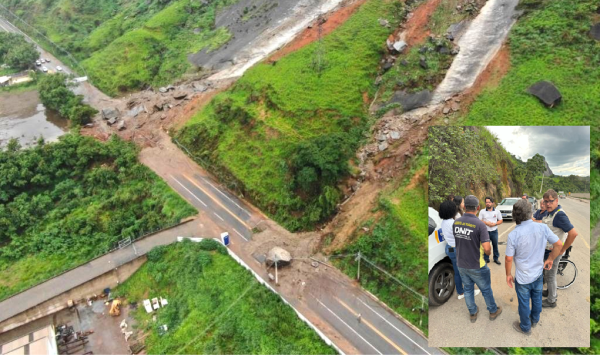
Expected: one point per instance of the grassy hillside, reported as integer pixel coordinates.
(216, 307)
(284, 134)
(396, 240)
(64, 203)
(129, 44)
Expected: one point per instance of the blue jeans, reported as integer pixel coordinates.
(457, 279)
(482, 278)
(525, 292)
(494, 240)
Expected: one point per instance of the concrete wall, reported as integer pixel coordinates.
(83, 291)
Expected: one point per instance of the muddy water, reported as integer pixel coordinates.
(478, 45)
(23, 116)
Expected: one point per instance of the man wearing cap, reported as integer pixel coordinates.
(524, 196)
(471, 241)
(558, 222)
(491, 218)
(526, 245)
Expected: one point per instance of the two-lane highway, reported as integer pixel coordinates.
(332, 301)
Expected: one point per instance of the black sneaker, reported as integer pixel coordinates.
(545, 293)
(497, 262)
(547, 304)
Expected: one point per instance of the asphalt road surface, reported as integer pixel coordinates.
(337, 304)
(567, 325)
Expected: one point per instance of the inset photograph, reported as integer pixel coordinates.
(509, 236)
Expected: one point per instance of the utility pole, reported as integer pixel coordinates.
(358, 258)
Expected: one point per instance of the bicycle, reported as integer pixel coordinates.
(566, 272)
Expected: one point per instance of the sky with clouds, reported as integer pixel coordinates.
(566, 148)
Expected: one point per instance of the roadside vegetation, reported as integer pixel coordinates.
(397, 226)
(128, 45)
(56, 95)
(216, 307)
(285, 133)
(16, 53)
(63, 203)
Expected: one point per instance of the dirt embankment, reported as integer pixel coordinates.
(324, 24)
(416, 29)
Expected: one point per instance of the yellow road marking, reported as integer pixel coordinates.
(217, 201)
(585, 242)
(372, 327)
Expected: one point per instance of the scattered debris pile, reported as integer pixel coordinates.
(70, 341)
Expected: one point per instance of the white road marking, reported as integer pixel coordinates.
(504, 233)
(183, 186)
(225, 195)
(349, 327)
(393, 326)
(217, 215)
(242, 236)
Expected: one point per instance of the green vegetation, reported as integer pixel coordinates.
(469, 160)
(284, 134)
(64, 203)
(56, 95)
(16, 52)
(130, 44)
(398, 226)
(549, 42)
(216, 307)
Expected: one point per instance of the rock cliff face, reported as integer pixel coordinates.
(548, 171)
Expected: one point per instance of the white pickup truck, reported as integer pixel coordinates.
(441, 273)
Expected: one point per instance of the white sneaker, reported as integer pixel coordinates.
(461, 296)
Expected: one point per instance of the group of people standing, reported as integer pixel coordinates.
(535, 246)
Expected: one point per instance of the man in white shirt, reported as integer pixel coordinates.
(492, 218)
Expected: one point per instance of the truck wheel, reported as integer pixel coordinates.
(441, 284)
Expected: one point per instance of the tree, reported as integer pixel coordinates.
(56, 95)
(21, 56)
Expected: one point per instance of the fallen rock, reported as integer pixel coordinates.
(410, 101)
(384, 22)
(110, 113)
(162, 89)
(199, 87)
(399, 46)
(395, 135)
(137, 110)
(546, 92)
(278, 256)
(446, 110)
(179, 95)
(386, 66)
(112, 121)
(423, 63)
(381, 138)
(121, 125)
(455, 107)
(382, 146)
(595, 31)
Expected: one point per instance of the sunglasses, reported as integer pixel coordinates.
(549, 201)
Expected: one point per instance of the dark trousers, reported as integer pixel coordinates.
(494, 240)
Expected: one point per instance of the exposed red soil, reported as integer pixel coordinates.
(417, 26)
(311, 34)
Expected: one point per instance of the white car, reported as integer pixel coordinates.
(44, 69)
(38, 63)
(59, 68)
(441, 272)
(506, 207)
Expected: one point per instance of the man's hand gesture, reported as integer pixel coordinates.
(510, 280)
(548, 264)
